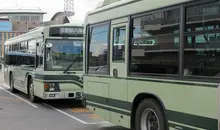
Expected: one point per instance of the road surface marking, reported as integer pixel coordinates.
(18, 97)
(73, 117)
(95, 116)
(6, 86)
(80, 110)
(8, 98)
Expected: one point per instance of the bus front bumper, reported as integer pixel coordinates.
(63, 95)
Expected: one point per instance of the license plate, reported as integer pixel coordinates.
(52, 95)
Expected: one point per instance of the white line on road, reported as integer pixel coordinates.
(18, 97)
(6, 86)
(73, 117)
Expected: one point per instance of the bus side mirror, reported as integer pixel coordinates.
(49, 45)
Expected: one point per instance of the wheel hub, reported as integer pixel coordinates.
(31, 90)
(149, 120)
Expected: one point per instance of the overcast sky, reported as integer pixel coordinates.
(53, 6)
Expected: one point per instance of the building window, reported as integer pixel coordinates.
(98, 49)
(35, 18)
(155, 43)
(16, 18)
(202, 38)
(24, 18)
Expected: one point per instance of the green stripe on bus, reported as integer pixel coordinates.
(181, 127)
(176, 80)
(180, 117)
(109, 109)
(193, 120)
(107, 101)
(60, 79)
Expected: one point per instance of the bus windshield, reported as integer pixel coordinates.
(62, 53)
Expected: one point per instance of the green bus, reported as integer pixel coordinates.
(154, 64)
(46, 62)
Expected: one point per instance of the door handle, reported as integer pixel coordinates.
(115, 73)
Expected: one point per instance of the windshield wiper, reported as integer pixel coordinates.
(66, 70)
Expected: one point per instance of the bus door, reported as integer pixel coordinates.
(118, 65)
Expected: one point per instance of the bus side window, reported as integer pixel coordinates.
(119, 44)
(40, 52)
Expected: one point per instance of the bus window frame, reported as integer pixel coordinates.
(88, 45)
(182, 32)
(113, 38)
(44, 59)
(132, 17)
(210, 79)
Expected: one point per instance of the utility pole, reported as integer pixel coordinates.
(17, 4)
(69, 7)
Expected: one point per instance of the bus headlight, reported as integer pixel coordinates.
(51, 87)
(79, 95)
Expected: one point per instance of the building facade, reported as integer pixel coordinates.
(14, 22)
(23, 19)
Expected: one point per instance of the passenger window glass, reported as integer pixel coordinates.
(23, 46)
(40, 53)
(98, 49)
(32, 46)
(119, 39)
(202, 46)
(155, 43)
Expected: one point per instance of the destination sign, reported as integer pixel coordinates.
(66, 32)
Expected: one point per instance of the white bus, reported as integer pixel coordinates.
(46, 62)
(154, 64)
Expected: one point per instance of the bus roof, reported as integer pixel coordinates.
(74, 24)
(26, 36)
(77, 24)
(128, 7)
(36, 32)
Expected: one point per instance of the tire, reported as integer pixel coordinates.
(149, 108)
(33, 98)
(83, 102)
(12, 89)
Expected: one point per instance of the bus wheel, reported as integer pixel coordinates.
(149, 116)
(83, 102)
(12, 89)
(33, 98)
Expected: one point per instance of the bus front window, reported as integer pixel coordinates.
(64, 53)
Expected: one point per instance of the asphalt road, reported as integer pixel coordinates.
(18, 113)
